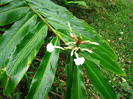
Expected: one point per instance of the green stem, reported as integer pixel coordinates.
(50, 27)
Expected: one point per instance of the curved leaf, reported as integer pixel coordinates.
(59, 17)
(97, 78)
(69, 74)
(62, 23)
(13, 37)
(11, 5)
(22, 58)
(106, 62)
(44, 77)
(78, 90)
(12, 15)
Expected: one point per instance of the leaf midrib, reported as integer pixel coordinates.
(50, 58)
(20, 56)
(100, 83)
(12, 38)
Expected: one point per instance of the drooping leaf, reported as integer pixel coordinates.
(98, 80)
(44, 77)
(105, 61)
(59, 17)
(69, 76)
(22, 58)
(78, 90)
(12, 12)
(75, 82)
(14, 35)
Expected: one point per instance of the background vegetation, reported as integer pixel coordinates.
(113, 19)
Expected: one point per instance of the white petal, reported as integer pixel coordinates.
(76, 62)
(90, 51)
(95, 43)
(50, 47)
(79, 61)
(82, 60)
(72, 52)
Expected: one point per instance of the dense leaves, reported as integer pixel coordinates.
(22, 58)
(75, 89)
(20, 44)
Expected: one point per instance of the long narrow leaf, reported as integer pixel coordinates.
(13, 37)
(12, 12)
(78, 90)
(69, 74)
(44, 77)
(106, 62)
(97, 78)
(59, 17)
(22, 58)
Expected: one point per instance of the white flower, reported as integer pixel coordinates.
(121, 33)
(50, 47)
(79, 61)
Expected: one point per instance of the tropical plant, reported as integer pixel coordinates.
(19, 45)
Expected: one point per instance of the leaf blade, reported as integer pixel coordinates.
(78, 90)
(105, 62)
(69, 74)
(12, 12)
(44, 77)
(97, 78)
(22, 58)
(58, 17)
(13, 37)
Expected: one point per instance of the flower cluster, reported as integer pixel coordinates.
(78, 60)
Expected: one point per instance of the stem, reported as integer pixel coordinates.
(45, 21)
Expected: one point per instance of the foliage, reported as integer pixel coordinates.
(119, 35)
(22, 41)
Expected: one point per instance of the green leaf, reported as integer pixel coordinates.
(100, 83)
(2, 2)
(13, 37)
(80, 3)
(44, 77)
(58, 17)
(69, 74)
(78, 90)
(106, 62)
(23, 56)
(12, 12)
(19, 46)
(11, 5)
